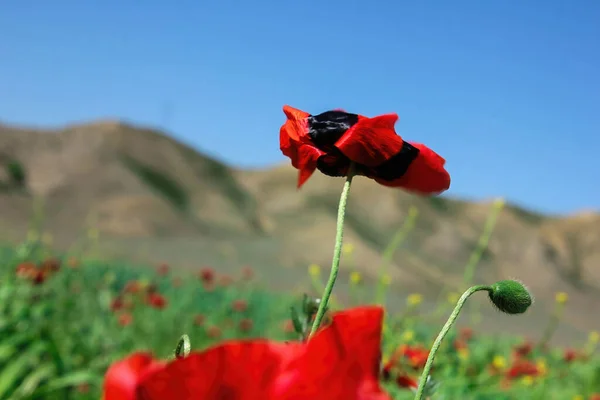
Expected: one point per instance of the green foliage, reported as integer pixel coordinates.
(160, 182)
(58, 338)
(16, 173)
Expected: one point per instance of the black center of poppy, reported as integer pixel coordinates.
(397, 165)
(326, 128)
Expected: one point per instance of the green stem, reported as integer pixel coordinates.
(337, 251)
(388, 254)
(482, 244)
(551, 327)
(442, 334)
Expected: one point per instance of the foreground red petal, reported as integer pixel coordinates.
(123, 377)
(236, 371)
(372, 141)
(340, 361)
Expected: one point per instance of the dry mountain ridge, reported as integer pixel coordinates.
(125, 180)
(133, 182)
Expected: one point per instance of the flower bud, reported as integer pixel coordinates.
(310, 306)
(510, 296)
(183, 347)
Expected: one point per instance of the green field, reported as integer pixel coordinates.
(65, 318)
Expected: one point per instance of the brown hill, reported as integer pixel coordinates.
(153, 198)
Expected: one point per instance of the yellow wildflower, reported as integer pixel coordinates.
(562, 298)
(453, 297)
(527, 380)
(314, 270)
(347, 248)
(542, 367)
(386, 279)
(594, 337)
(355, 278)
(414, 299)
(499, 362)
(408, 335)
(578, 397)
(463, 354)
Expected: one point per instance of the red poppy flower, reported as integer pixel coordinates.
(522, 368)
(332, 140)
(156, 300)
(571, 355)
(415, 355)
(407, 382)
(340, 362)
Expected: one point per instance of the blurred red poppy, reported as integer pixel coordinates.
(341, 361)
(332, 140)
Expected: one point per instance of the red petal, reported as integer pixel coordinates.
(295, 143)
(236, 370)
(307, 162)
(341, 361)
(425, 175)
(296, 125)
(123, 377)
(371, 141)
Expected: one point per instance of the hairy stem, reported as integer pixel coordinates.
(438, 341)
(337, 251)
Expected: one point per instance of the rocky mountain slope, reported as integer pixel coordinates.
(137, 185)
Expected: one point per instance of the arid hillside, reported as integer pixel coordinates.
(152, 198)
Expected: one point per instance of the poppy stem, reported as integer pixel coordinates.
(337, 252)
(446, 328)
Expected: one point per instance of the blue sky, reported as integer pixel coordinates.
(507, 91)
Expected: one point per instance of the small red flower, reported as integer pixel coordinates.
(331, 141)
(125, 319)
(522, 350)
(415, 355)
(521, 368)
(247, 273)
(407, 382)
(239, 305)
(117, 304)
(207, 275)
(340, 362)
(50, 265)
(199, 320)
(466, 334)
(571, 355)
(156, 300)
(40, 277)
(460, 344)
(163, 269)
(132, 287)
(26, 270)
(245, 325)
(214, 332)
